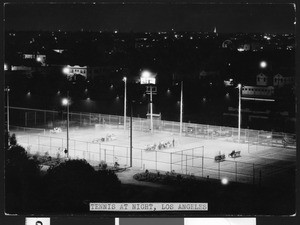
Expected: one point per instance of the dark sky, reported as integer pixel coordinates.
(273, 18)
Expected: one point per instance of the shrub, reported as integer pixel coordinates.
(103, 165)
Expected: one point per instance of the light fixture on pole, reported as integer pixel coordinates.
(66, 102)
(7, 106)
(125, 99)
(181, 107)
(239, 112)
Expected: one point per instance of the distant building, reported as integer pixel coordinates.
(280, 80)
(261, 80)
(257, 91)
(72, 71)
(84, 71)
(21, 68)
(38, 57)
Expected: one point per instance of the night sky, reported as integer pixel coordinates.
(269, 18)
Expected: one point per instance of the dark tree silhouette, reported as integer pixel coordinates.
(22, 176)
(70, 186)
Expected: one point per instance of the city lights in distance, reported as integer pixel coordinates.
(263, 64)
(66, 70)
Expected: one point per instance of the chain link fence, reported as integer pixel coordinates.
(256, 139)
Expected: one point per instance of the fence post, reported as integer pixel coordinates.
(99, 152)
(141, 158)
(253, 174)
(219, 175)
(113, 153)
(236, 174)
(25, 119)
(186, 164)
(126, 156)
(87, 147)
(90, 118)
(38, 142)
(105, 154)
(171, 162)
(34, 118)
(202, 165)
(50, 144)
(193, 157)
(181, 159)
(156, 160)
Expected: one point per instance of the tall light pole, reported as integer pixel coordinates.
(151, 110)
(239, 122)
(66, 102)
(149, 78)
(131, 133)
(125, 99)
(7, 107)
(181, 107)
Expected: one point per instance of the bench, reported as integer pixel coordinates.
(234, 154)
(220, 158)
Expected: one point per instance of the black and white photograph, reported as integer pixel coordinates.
(150, 108)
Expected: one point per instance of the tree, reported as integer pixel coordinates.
(22, 176)
(70, 186)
